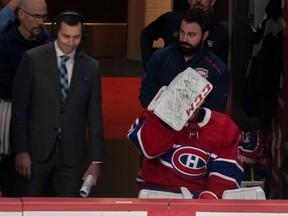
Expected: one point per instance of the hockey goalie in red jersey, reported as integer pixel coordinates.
(186, 147)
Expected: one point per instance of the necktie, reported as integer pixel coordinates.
(64, 77)
(64, 87)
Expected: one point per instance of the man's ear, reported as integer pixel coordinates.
(20, 14)
(205, 35)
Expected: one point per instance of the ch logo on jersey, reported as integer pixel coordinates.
(190, 161)
(202, 71)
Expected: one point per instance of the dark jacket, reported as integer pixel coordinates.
(12, 48)
(166, 63)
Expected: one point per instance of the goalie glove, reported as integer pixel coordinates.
(158, 98)
(207, 195)
(251, 146)
(176, 104)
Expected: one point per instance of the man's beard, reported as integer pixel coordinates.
(188, 49)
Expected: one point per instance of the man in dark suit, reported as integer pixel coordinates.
(49, 127)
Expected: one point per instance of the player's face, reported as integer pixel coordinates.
(203, 4)
(191, 38)
(69, 37)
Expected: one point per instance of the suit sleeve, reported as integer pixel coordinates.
(95, 118)
(21, 99)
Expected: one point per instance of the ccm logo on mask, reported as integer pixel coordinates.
(199, 99)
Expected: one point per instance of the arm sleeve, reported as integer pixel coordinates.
(150, 82)
(150, 136)
(223, 53)
(217, 98)
(221, 49)
(5, 15)
(227, 169)
(150, 33)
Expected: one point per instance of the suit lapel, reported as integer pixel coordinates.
(53, 69)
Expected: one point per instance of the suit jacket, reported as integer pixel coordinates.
(38, 110)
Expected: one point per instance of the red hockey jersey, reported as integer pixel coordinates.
(202, 156)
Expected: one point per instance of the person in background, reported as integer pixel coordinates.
(180, 5)
(19, 39)
(167, 27)
(56, 97)
(166, 63)
(8, 8)
(13, 43)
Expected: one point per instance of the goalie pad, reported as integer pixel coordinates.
(149, 193)
(245, 193)
(176, 103)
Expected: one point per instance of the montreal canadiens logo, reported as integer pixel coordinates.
(202, 71)
(210, 43)
(190, 161)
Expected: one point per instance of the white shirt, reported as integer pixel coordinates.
(69, 62)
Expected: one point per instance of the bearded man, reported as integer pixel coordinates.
(166, 27)
(166, 63)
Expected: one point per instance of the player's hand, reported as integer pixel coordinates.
(23, 164)
(207, 195)
(251, 146)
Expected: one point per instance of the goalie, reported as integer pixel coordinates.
(188, 151)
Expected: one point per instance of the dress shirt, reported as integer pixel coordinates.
(69, 62)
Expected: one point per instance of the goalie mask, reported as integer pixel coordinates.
(177, 102)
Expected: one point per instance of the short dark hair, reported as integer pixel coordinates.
(199, 16)
(71, 18)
